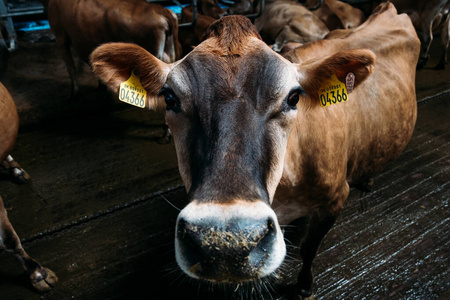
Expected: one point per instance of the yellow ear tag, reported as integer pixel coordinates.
(332, 91)
(132, 92)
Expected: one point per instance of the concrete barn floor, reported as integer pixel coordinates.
(100, 208)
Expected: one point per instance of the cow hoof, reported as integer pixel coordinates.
(43, 280)
(20, 175)
(421, 63)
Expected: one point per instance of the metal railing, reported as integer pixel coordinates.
(9, 10)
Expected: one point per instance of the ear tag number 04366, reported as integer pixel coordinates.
(132, 92)
(333, 91)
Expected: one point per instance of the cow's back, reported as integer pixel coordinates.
(9, 123)
(352, 140)
(87, 24)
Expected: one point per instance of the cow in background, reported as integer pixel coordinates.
(84, 25)
(41, 278)
(255, 146)
(337, 14)
(429, 17)
(208, 11)
(242, 7)
(284, 21)
(209, 8)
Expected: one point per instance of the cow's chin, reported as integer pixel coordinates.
(235, 244)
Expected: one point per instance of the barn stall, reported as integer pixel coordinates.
(101, 206)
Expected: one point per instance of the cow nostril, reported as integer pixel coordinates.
(265, 243)
(190, 242)
(270, 234)
(236, 250)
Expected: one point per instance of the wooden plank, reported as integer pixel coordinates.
(78, 152)
(78, 168)
(377, 246)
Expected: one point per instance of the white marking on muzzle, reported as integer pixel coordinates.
(201, 215)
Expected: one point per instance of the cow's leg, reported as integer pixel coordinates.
(427, 33)
(320, 223)
(19, 174)
(41, 278)
(427, 38)
(318, 227)
(170, 43)
(445, 38)
(66, 52)
(159, 44)
(169, 49)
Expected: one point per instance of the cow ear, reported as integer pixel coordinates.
(315, 74)
(113, 63)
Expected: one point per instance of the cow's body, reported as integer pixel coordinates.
(367, 141)
(41, 278)
(86, 24)
(337, 14)
(284, 21)
(210, 8)
(191, 36)
(256, 149)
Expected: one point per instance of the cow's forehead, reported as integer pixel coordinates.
(256, 70)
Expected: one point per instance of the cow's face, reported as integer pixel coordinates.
(230, 116)
(230, 104)
(211, 8)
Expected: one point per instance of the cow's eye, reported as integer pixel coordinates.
(170, 98)
(294, 97)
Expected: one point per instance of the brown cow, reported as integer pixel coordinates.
(284, 21)
(191, 36)
(242, 7)
(41, 278)
(84, 25)
(337, 14)
(256, 149)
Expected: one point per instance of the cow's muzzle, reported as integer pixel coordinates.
(232, 243)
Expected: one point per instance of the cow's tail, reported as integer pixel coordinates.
(172, 45)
